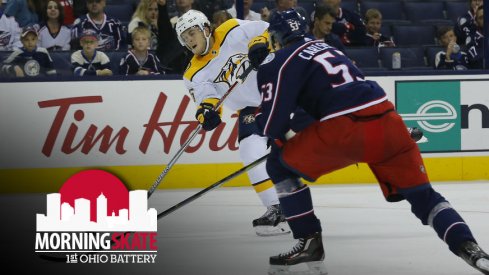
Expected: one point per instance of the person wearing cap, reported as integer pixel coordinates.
(29, 60)
(88, 60)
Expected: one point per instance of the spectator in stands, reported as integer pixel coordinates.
(79, 8)
(69, 14)
(475, 41)
(29, 60)
(452, 58)
(349, 26)
(373, 37)
(68, 7)
(139, 61)
(53, 35)
(88, 60)
(110, 32)
(182, 7)
(324, 17)
(170, 52)
(72, 9)
(208, 7)
(146, 14)
(220, 17)
(247, 12)
(24, 12)
(282, 5)
(9, 32)
(465, 25)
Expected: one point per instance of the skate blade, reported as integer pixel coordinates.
(266, 231)
(483, 265)
(309, 268)
(423, 139)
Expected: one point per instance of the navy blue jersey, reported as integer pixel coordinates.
(35, 63)
(316, 77)
(131, 65)
(381, 42)
(475, 49)
(458, 61)
(335, 41)
(350, 28)
(110, 32)
(464, 27)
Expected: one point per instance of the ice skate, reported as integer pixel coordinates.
(308, 268)
(308, 249)
(417, 135)
(475, 256)
(271, 223)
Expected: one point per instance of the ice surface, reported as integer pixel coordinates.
(362, 233)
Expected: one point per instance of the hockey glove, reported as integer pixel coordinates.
(207, 116)
(257, 51)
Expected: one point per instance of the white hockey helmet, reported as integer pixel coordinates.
(192, 18)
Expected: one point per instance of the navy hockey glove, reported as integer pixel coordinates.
(257, 51)
(206, 115)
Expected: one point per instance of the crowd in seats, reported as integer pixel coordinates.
(411, 25)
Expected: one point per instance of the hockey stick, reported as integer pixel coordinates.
(194, 133)
(56, 257)
(212, 187)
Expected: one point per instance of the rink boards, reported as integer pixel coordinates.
(51, 130)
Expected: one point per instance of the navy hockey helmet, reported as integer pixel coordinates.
(287, 26)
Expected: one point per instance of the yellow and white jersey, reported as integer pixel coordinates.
(211, 75)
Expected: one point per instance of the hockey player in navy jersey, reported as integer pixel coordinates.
(355, 122)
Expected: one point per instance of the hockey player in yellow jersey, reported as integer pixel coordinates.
(220, 58)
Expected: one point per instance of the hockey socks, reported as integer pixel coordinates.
(450, 227)
(431, 208)
(266, 192)
(296, 203)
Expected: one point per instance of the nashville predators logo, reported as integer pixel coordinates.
(249, 119)
(233, 69)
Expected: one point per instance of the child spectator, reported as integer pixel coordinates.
(220, 17)
(110, 32)
(465, 25)
(373, 37)
(53, 35)
(146, 14)
(475, 41)
(9, 32)
(324, 17)
(24, 12)
(452, 57)
(139, 60)
(29, 60)
(88, 60)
